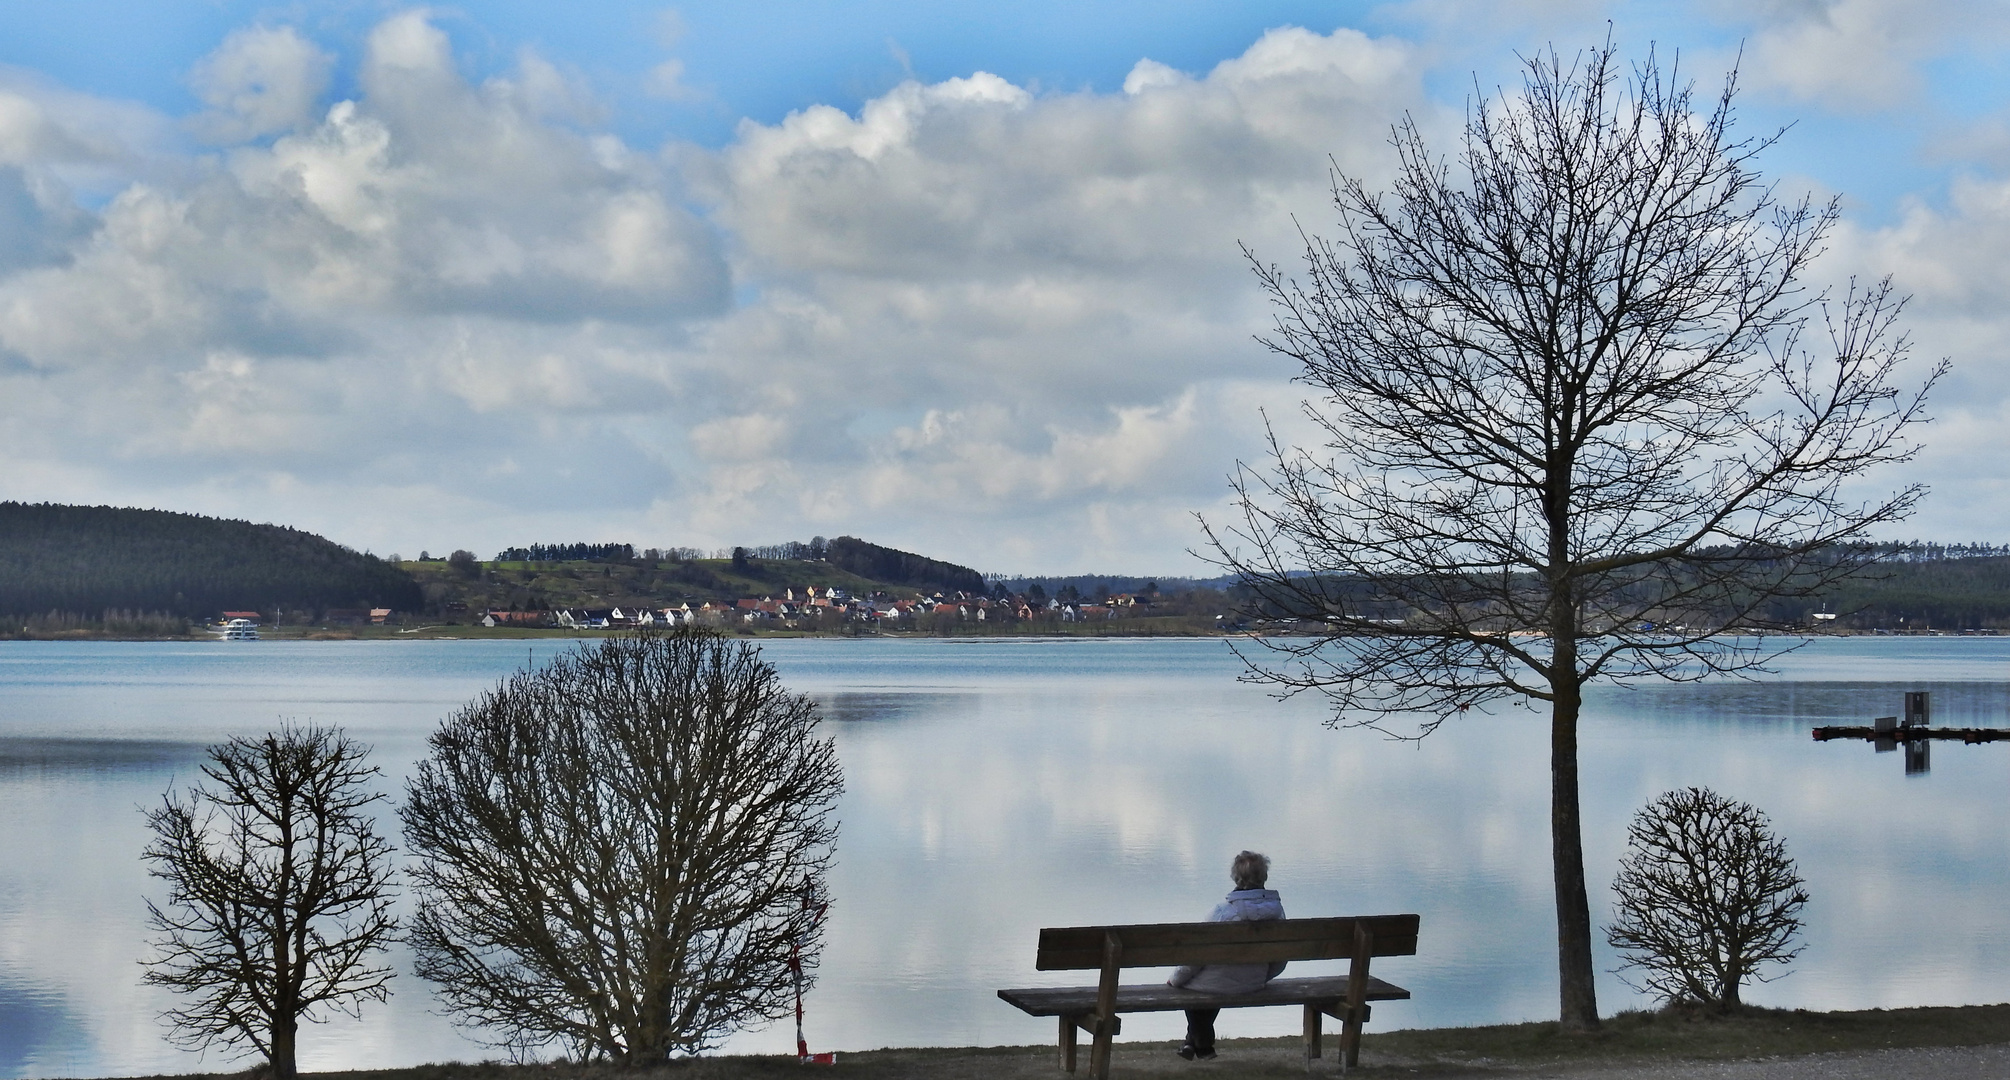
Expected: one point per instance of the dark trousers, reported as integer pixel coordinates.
(1200, 1029)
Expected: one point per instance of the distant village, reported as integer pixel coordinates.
(845, 585)
(814, 606)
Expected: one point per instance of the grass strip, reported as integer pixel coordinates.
(1696, 1035)
(1664, 1037)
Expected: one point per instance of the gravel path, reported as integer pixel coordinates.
(1921, 1063)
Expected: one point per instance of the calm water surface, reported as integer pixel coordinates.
(995, 787)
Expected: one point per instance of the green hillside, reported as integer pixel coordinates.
(88, 560)
(455, 588)
(101, 569)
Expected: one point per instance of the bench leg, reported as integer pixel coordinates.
(1350, 1037)
(1099, 1054)
(1068, 1043)
(1357, 997)
(1312, 1036)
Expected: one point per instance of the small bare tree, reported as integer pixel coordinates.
(279, 892)
(1572, 428)
(1707, 895)
(620, 851)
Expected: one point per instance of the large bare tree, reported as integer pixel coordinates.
(279, 892)
(1571, 425)
(621, 852)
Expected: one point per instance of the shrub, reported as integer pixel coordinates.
(619, 852)
(1707, 895)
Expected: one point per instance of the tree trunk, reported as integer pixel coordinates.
(1727, 998)
(1573, 908)
(284, 1064)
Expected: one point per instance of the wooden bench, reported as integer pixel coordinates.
(1095, 1009)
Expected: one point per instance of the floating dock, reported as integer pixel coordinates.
(1914, 734)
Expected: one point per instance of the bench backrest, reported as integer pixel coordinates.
(1074, 948)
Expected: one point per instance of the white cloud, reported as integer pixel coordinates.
(260, 81)
(349, 328)
(666, 81)
(1019, 308)
(28, 135)
(977, 177)
(1953, 260)
(1150, 75)
(545, 91)
(1854, 54)
(426, 197)
(1022, 314)
(1007, 327)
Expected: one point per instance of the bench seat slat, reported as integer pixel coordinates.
(1150, 997)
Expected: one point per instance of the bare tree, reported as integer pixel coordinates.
(1572, 427)
(1707, 896)
(619, 851)
(279, 892)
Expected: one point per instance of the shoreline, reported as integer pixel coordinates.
(516, 633)
(456, 632)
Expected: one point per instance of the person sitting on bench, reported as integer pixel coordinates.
(1250, 902)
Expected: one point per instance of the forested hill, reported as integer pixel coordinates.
(87, 559)
(853, 555)
(1961, 592)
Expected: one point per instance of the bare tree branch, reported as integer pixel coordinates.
(615, 849)
(1707, 896)
(279, 892)
(1570, 424)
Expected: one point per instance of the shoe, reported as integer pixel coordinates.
(1188, 1052)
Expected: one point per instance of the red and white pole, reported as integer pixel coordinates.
(803, 1055)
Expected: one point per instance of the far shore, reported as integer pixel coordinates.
(455, 632)
(1129, 629)
(1636, 1039)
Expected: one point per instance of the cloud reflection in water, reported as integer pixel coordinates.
(997, 787)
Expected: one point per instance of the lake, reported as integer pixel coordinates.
(998, 786)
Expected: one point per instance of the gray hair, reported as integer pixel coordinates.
(1250, 870)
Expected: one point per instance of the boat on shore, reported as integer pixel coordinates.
(236, 630)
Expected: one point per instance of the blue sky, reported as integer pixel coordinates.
(761, 62)
(746, 60)
(958, 278)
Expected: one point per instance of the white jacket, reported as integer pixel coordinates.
(1243, 905)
